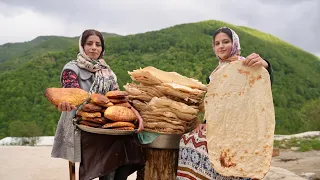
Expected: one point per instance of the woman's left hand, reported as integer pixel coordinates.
(254, 60)
(140, 120)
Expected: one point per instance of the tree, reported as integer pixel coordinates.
(311, 112)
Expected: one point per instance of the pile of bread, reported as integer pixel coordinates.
(167, 101)
(110, 111)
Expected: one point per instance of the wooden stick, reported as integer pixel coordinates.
(72, 170)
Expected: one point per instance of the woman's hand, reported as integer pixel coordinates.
(65, 106)
(140, 120)
(200, 127)
(254, 60)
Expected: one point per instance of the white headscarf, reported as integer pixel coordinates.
(235, 50)
(234, 54)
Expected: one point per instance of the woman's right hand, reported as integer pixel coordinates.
(65, 106)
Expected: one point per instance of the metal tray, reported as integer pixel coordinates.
(166, 141)
(104, 131)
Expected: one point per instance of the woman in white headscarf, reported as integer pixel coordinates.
(226, 46)
(194, 160)
(103, 156)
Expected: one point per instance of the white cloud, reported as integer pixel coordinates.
(26, 24)
(292, 21)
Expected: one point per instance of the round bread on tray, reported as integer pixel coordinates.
(119, 113)
(116, 94)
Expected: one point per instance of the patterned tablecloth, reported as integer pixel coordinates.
(194, 163)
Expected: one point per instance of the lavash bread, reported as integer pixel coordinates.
(176, 106)
(167, 101)
(154, 76)
(240, 121)
(73, 96)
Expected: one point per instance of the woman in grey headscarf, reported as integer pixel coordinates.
(103, 156)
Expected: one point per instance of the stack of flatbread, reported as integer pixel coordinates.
(110, 111)
(167, 101)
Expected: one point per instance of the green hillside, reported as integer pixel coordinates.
(184, 48)
(13, 55)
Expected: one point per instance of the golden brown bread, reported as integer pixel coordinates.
(119, 100)
(97, 120)
(116, 94)
(109, 104)
(119, 113)
(91, 108)
(74, 96)
(126, 104)
(125, 128)
(100, 99)
(88, 123)
(118, 124)
(88, 114)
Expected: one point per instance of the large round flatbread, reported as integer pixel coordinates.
(240, 121)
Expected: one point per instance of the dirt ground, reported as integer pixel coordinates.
(298, 162)
(35, 163)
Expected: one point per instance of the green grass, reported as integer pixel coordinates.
(303, 144)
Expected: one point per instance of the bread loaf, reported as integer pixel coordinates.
(74, 96)
(126, 104)
(88, 114)
(118, 124)
(125, 128)
(119, 100)
(119, 113)
(97, 120)
(100, 99)
(91, 108)
(116, 94)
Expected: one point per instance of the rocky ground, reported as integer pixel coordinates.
(301, 163)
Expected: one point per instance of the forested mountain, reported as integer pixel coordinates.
(27, 69)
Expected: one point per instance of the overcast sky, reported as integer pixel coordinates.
(295, 21)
